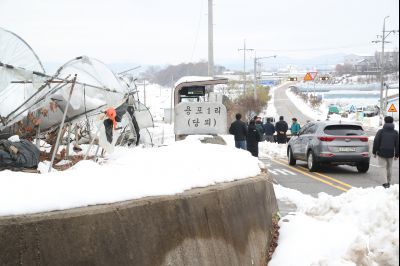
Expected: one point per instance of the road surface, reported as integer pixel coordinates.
(286, 108)
(332, 180)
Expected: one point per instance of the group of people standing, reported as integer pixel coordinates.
(248, 136)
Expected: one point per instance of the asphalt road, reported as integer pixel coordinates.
(332, 180)
(286, 108)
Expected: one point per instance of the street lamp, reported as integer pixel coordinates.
(255, 71)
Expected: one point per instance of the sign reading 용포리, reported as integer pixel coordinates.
(200, 118)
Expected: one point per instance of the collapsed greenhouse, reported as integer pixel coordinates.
(66, 106)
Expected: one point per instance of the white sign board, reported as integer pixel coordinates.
(200, 118)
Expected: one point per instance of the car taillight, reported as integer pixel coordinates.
(326, 154)
(326, 138)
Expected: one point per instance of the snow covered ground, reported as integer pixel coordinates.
(272, 150)
(360, 227)
(157, 98)
(271, 109)
(305, 108)
(126, 174)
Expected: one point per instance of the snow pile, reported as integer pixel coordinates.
(360, 227)
(335, 117)
(271, 110)
(14, 138)
(265, 149)
(124, 175)
(162, 134)
(272, 150)
(305, 107)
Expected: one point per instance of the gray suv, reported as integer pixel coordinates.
(329, 142)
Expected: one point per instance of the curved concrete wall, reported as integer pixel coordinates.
(225, 224)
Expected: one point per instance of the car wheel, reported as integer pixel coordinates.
(291, 159)
(363, 167)
(311, 162)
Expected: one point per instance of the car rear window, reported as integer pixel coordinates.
(344, 130)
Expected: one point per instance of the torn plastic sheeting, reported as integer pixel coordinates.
(16, 52)
(91, 71)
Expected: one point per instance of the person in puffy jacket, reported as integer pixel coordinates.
(295, 128)
(239, 130)
(386, 148)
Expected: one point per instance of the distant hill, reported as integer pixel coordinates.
(168, 75)
(165, 75)
(322, 61)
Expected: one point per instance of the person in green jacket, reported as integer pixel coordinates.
(259, 127)
(295, 128)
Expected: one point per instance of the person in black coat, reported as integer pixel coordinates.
(253, 137)
(281, 128)
(386, 147)
(239, 130)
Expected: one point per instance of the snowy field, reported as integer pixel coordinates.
(157, 98)
(357, 228)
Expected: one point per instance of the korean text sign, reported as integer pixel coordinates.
(200, 118)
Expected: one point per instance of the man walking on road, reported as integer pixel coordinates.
(281, 128)
(239, 130)
(386, 147)
(269, 130)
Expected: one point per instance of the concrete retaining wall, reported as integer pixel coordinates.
(226, 224)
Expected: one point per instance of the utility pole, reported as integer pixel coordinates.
(244, 64)
(210, 39)
(255, 75)
(383, 37)
(144, 91)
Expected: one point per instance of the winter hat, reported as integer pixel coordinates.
(111, 114)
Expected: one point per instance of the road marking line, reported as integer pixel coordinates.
(313, 177)
(289, 172)
(326, 176)
(272, 172)
(330, 178)
(375, 165)
(280, 171)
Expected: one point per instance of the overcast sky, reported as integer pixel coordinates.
(175, 31)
